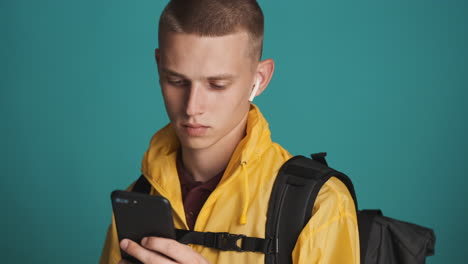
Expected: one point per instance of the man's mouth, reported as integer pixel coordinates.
(195, 129)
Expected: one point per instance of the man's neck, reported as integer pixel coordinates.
(204, 164)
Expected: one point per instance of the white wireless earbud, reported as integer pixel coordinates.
(255, 89)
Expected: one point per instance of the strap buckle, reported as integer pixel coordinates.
(227, 241)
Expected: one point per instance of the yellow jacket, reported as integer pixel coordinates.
(239, 203)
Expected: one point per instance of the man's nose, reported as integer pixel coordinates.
(195, 100)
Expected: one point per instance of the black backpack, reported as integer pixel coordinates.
(383, 240)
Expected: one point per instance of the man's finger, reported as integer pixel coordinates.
(177, 251)
(142, 254)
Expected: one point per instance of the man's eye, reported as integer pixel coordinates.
(217, 86)
(177, 82)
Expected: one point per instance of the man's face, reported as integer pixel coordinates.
(206, 83)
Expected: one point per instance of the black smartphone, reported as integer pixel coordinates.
(140, 215)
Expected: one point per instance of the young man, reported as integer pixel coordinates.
(215, 161)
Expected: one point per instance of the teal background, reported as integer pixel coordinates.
(380, 85)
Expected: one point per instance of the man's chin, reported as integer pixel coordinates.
(195, 143)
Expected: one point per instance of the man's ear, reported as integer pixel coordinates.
(157, 55)
(264, 73)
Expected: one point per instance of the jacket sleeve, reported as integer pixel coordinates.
(331, 235)
(111, 251)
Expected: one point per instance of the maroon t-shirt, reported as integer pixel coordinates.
(194, 193)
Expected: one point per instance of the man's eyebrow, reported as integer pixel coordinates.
(167, 71)
(211, 78)
(222, 77)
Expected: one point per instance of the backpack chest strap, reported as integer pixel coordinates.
(227, 241)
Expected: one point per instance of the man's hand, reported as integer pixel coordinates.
(150, 248)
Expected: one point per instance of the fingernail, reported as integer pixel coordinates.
(144, 240)
(124, 244)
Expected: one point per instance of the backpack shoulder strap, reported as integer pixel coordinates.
(142, 185)
(292, 199)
